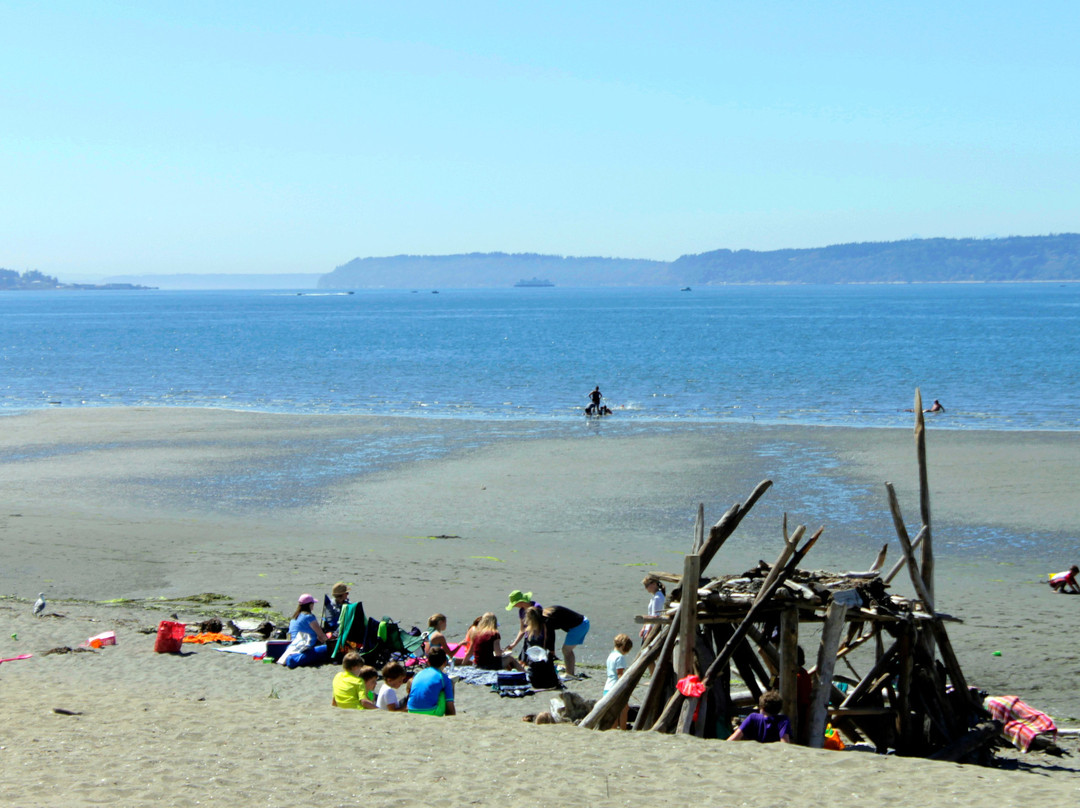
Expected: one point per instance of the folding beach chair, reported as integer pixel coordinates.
(352, 630)
(390, 642)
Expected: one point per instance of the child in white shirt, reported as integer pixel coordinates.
(616, 666)
(394, 676)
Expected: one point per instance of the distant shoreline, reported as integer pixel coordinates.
(78, 287)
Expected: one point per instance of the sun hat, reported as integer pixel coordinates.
(517, 596)
(306, 598)
(340, 588)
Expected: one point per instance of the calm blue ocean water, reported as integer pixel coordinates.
(998, 356)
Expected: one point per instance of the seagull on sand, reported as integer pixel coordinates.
(39, 607)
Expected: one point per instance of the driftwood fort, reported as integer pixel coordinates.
(911, 696)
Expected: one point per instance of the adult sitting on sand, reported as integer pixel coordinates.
(470, 639)
(1065, 582)
(435, 637)
(432, 692)
(768, 724)
(304, 622)
(332, 606)
(486, 653)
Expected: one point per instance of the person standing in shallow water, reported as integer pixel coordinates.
(594, 397)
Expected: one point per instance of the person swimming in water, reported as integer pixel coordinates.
(936, 407)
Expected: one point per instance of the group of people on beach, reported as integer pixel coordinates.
(430, 690)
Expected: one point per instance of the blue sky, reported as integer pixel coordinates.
(270, 137)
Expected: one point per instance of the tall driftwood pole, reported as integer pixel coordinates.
(789, 666)
(684, 662)
(927, 565)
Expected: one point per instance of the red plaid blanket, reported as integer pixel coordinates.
(1022, 723)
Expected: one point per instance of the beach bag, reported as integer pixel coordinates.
(543, 676)
(542, 673)
(170, 637)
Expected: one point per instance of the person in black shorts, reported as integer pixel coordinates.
(594, 397)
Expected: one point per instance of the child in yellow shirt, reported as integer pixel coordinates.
(354, 684)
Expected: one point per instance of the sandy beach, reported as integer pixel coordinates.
(104, 504)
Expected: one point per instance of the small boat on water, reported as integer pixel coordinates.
(685, 289)
(533, 282)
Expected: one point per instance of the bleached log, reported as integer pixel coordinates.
(879, 562)
(905, 546)
(830, 640)
(684, 664)
(790, 545)
(901, 563)
(723, 529)
(699, 529)
(789, 666)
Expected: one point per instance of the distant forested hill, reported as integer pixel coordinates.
(935, 260)
(31, 279)
(492, 269)
(1018, 258)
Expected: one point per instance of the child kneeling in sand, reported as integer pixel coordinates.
(1065, 582)
(354, 684)
(616, 666)
(768, 724)
(394, 676)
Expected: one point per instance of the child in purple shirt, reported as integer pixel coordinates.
(768, 724)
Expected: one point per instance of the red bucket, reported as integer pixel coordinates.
(170, 637)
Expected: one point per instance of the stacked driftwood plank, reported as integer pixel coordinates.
(912, 697)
